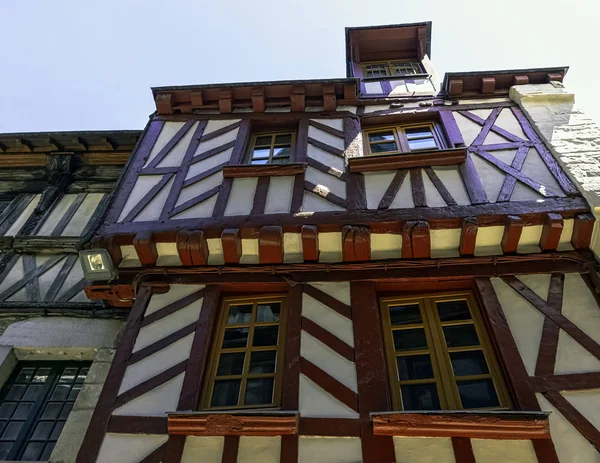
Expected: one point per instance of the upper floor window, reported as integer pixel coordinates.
(245, 369)
(403, 139)
(271, 147)
(439, 356)
(392, 68)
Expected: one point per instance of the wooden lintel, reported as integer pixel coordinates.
(512, 234)
(582, 231)
(297, 99)
(329, 99)
(456, 87)
(553, 226)
(310, 243)
(225, 424)
(488, 85)
(264, 170)
(145, 247)
(232, 245)
(258, 99)
(380, 163)
(468, 236)
(270, 245)
(164, 104)
(225, 101)
(196, 99)
(356, 244)
(520, 80)
(420, 240)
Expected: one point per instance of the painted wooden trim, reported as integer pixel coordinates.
(290, 384)
(233, 424)
(310, 243)
(260, 196)
(268, 170)
(453, 133)
(512, 234)
(329, 301)
(329, 384)
(330, 340)
(379, 163)
(329, 427)
(128, 424)
(463, 450)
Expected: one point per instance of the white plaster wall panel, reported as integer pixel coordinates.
(373, 87)
(571, 357)
(326, 158)
(580, 306)
(325, 137)
(292, 248)
(56, 214)
(199, 188)
(488, 241)
(491, 177)
(331, 183)
(129, 448)
(203, 449)
(175, 293)
(386, 246)
(493, 138)
(217, 141)
(419, 86)
(143, 185)
(314, 203)
(79, 297)
(530, 239)
(445, 243)
(587, 403)
(316, 402)
(168, 131)
(177, 153)
(468, 129)
(241, 197)
(484, 101)
(373, 108)
(524, 193)
(564, 243)
(330, 247)
(432, 195)
(338, 290)
(215, 251)
(483, 113)
(350, 109)
(216, 124)
(167, 255)
(46, 279)
(411, 450)
(328, 360)
(77, 224)
(249, 251)
(16, 274)
(206, 164)
(167, 325)
(333, 123)
(16, 227)
(506, 120)
(154, 208)
(376, 184)
(279, 196)
(74, 276)
(506, 156)
(535, 168)
(328, 319)
(404, 198)
(204, 209)
(263, 449)
(524, 320)
(19, 296)
(158, 402)
(539, 284)
(154, 364)
(506, 451)
(329, 450)
(129, 257)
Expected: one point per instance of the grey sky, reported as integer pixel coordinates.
(89, 65)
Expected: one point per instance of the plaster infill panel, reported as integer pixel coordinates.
(410, 450)
(263, 449)
(328, 319)
(129, 448)
(207, 449)
(329, 450)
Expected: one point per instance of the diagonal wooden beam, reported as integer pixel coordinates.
(509, 183)
(329, 384)
(155, 190)
(172, 307)
(213, 151)
(219, 132)
(472, 182)
(326, 169)
(194, 201)
(161, 344)
(327, 300)
(203, 175)
(171, 143)
(330, 340)
(327, 195)
(73, 291)
(392, 190)
(34, 274)
(325, 147)
(326, 128)
(440, 187)
(60, 278)
(493, 128)
(546, 357)
(487, 126)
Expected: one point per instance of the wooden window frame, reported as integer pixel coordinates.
(439, 353)
(273, 134)
(401, 139)
(216, 350)
(389, 67)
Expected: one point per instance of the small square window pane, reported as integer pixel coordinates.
(263, 141)
(225, 393)
(51, 411)
(261, 153)
(478, 394)
(414, 367)
(382, 136)
(57, 430)
(265, 336)
(469, 363)
(7, 409)
(422, 144)
(68, 376)
(259, 161)
(418, 132)
(23, 411)
(283, 139)
(74, 392)
(231, 364)
(42, 430)
(12, 430)
(16, 392)
(4, 449)
(405, 314)
(421, 397)
(239, 315)
(235, 337)
(406, 340)
(383, 147)
(33, 392)
(259, 391)
(268, 312)
(48, 451)
(25, 375)
(33, 451)
(282, 152)
(65, 411)
(461, 335)
(82, 375)
(453, 310)
(61, 392)
(41, 376)
(280, 160)
(262, 362)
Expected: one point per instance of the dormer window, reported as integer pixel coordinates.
(403, 139)
(382, 69)
(271, 148)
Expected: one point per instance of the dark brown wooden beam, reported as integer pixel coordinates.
(329, 99)
(232, 245)
(192, 247)
(488, 85)
(270, 245)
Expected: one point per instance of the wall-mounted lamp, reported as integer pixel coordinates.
(97, 265)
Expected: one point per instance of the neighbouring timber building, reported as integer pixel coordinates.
(377, 268)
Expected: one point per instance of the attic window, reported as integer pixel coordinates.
(403, 68)
(403, 139)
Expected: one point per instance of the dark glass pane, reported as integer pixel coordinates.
(65, 411)
(12, 430)
(16, 392)
(268, 312)
(381, 136)
(405, 314)
(422, 144)
(68, 376)
(259, 391)
(418, 132)
(262, 141)
(265, 336)
(239, 315)
(262, 362)
(235, 337)
(33, 392)
(22, 411)
(57, 430)
(282, 152)
(453, 310)
(414, 367)
(421, 397)
(409, 339)
(41, 376)
(281, 160)
(82, 375)
(259, 161)
(61, 392)
(74, 392)
(478, 394)
(42, 430)
(4, 449)
(225, 393)
(231, 364)
(383, 147)
(51, 411)
(283, 139)
(260, 153)
(25, 375)
(461, 335)
(468, 363)
(47, 451)
(7, 409)
(33, 451)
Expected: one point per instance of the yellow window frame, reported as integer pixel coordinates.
(445, 380)
(389, 67)
(273, 135)
(217, 350)
(401, 138)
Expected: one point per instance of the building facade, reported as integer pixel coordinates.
(377, 268)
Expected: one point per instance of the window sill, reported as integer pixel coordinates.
(263, 170)
(234, 423)
(379, 163)
(407, 77)
(462, 423)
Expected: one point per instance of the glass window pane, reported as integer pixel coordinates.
(47, 451)
(74, 392)
(23, 411)
(261, 153)
(468, 363)
(259, 161)
(16, 392)
(422, 144)
(268, 312)
(82, 375)
(263, 141)
(231, 364)
(478, 394)
(25, 375)
(418, 132)
(225, 393)
(33, 392)
(51, 411)
(414, 367)
(384, 147)
(4, 449)
(453, 310)
(421, 397)
(409, 339)
(405, 314)
(262, 362)
(280, 160)
(33, 451)
(382, 136)
(12, 430)
(259, 391)
(282, 152)
(41, 376)
(7, 409)
(65, 411)
(57, 430)
(42, 430)
(461, 335)
(235, 337)
(68, 375)
(239, 314)
(283, 139)
(265, 336)
(61, 392)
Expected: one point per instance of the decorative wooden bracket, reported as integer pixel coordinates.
(145, 246)
(270, 245)
(232, 245)
(416, 242)
(297, 99)
(356, 244)
(225, 101)
(258, 99)
(164, 104)
(310, 243)
(192, 247)
(329, 100)
(233, 424)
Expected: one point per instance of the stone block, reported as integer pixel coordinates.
(71, 437)
(88, 397)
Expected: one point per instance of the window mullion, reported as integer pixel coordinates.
(401, 140)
